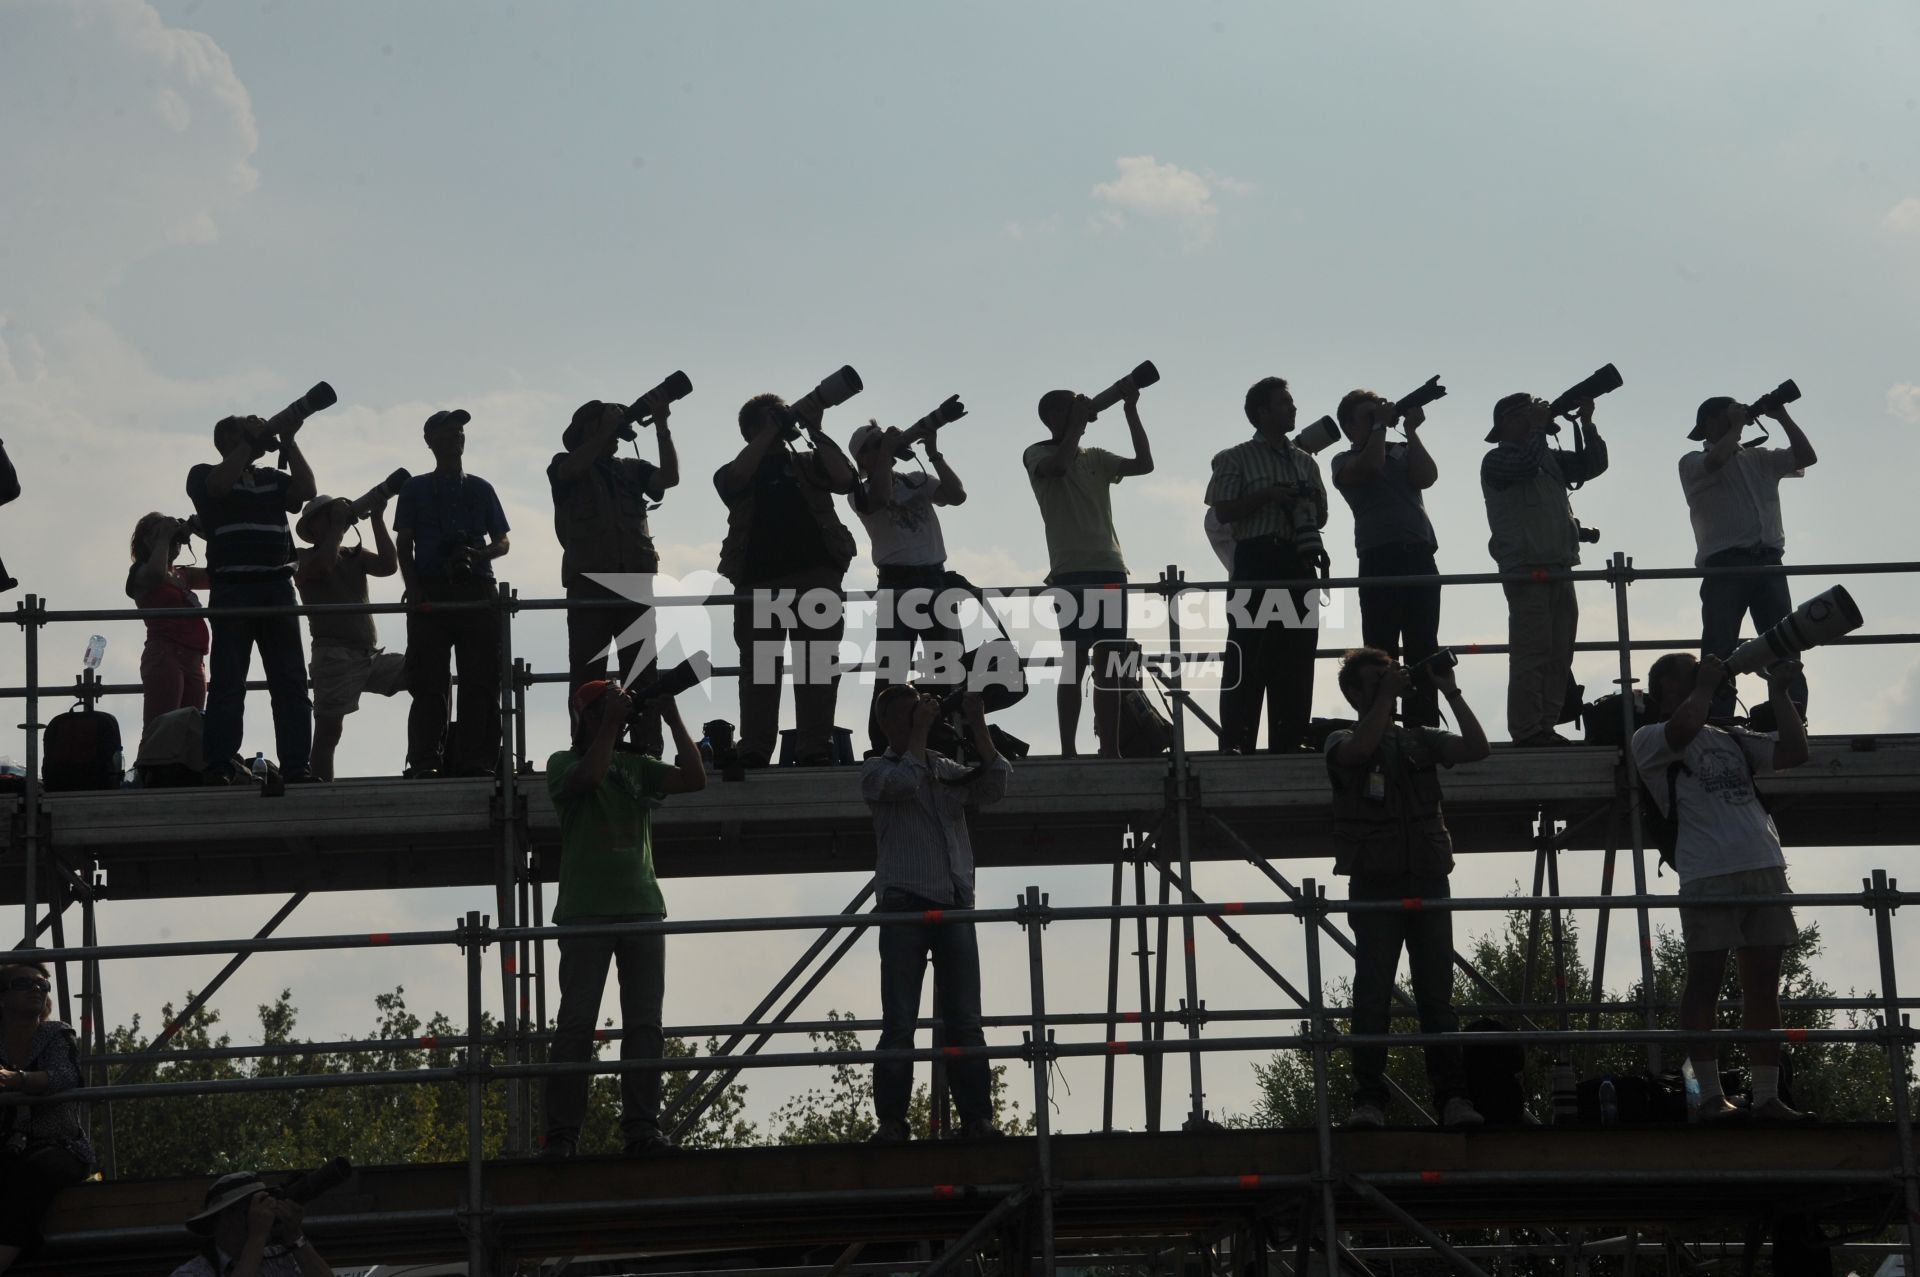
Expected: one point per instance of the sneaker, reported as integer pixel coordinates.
(1460, 1114)
(892, 1131)
(1366, 1117)
(421, 773)
(1777, 1111)
(650, 1144)
(753, 760)
(979, 1128)
(217, 776)
(298, 778)
(1723, 1112)
(557, 1148)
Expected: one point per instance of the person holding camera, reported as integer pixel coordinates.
(1391, 841)
(605, 801)
(920, 799)
(1392, 535)
(600, 502)
(243, 510)
(43, 1147)
(1073, 486)
(901, 514)
(1269, 494)
(450, 530)
(173, 664)
(1724, 844)
(787, 548)
(1733, 501)
(249, 1230)
(347, 659)
(1525, 485)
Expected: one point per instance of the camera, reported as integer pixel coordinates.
(307, 1185)
(1429, 390)
(319, 397)
(463, 555)
(387, 489)
(1143, 375)
(949, 411)
(1586, 535)
(1821, 619)
(831, 393)
(1442, 660)
(189, 528)
(1784, 393)
(717, 745)
(641, 411)
(681, 678)
(1604, 380)
(1319, 436)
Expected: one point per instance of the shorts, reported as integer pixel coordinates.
(1707, 928)
(340, 674)
(1098, 610)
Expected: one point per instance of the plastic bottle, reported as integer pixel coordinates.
(260, 768)
(1693, 1089)
(96, 648)
(1609, 1103)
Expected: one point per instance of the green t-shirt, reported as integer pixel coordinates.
(1077, 510)
(606, 838)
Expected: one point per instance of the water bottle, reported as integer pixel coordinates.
(1566, 1100)
(1693, 1089)
(96, 648)
(1609, 1103)
(260, 768)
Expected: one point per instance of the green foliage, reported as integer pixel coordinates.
(1838, 1080)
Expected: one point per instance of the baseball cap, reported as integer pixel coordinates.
(587, 693)
(447, 417)
(865, 437)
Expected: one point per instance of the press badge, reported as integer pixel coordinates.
(1377, 785)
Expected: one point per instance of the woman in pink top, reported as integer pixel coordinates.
(173, 667)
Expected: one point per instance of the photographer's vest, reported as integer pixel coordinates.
(1400, 830)
(1532, 520)
(819, 503)
(602, 524)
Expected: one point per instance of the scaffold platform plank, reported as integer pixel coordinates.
(1123, 1185)
(387, 834)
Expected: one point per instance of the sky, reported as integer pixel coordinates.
(516, 208)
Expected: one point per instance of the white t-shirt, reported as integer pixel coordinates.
(906, 531)
(1723, 829)
(1737, 506)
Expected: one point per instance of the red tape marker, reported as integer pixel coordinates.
(1129, 1017)
(933, 915)
(508, 964)
(951, 1052)
(1234, 906)
(599, 1035)
(1249, 1181)
(1189, 945)
(1117, 1047)
(946, 1192)
(1411, 904)
(1471, 647)
(1429, 1177)
(379, 937)
(1796, 1035)
(1539, 575)
(428, 1042)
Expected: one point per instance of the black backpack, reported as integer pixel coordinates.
(1495, 1067)
(81, 751)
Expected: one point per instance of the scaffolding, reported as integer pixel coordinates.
(1022, 1209)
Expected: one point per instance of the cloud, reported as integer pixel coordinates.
(1154, 191)
(1903, 401)
(1904, 218)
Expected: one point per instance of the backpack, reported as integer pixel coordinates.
(1494, 1070)
(1127, 724)
(81, 751)
(1663, 828)
(170, 754)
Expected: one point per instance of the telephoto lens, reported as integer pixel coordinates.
(1429, 390)
(1821, 619)
(1605, 380)
(321, 396)
(385, 490)
(1319, 436)
(831, 393)
(304, 1187)
(949, 411)
(1587, 535)
(1143, 375)
(676, 387)
(681, 678)
(1784, 393)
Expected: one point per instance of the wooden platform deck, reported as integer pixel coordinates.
(1127, 1185)
(385, 834)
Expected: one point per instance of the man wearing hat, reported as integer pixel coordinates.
(243, 507)
(1525, 485)
(600, 504)
(346, 659)
(450, 530)
(605, 802)
(249, 1232)
(899, 511)
(1733, 500)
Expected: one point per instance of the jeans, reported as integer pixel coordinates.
(1403, 621)
(643, 986)
(281, 658)
(1724, 600)
(591, 631)
(908, 613)
(814, 690)
(1269, 663)
(1543, 618)
(904, 950)
(434, 640)
(1428, 937)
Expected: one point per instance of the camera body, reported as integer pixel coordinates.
(1586, 535)
(641, 411)
(1442, 660)
(463, 555)
(1143, 375)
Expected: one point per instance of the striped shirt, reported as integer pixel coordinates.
(1256, 463)
(1737, 507)
(920, 822)
(247, 534)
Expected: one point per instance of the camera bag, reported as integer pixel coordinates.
(1600, 718)
(1127, 724)
(170, 755)
(81, 751)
